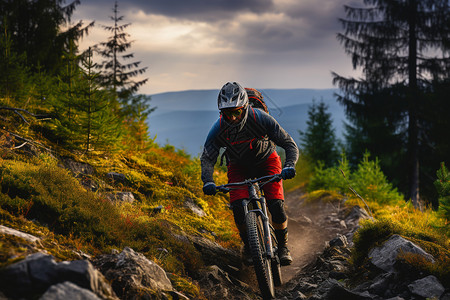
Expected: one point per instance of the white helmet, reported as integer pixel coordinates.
(232, 95)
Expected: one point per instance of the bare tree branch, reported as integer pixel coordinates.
(19, 112)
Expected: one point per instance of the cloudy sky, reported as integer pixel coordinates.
(202, 44)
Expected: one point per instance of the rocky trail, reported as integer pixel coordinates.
(320, 238)
(311, 227)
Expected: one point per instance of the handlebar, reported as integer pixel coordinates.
(225, 188)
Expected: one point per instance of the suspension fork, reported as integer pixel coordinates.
(260, 208)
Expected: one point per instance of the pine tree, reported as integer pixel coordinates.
(399, 45)
(13, 72)
(100, 127)
(116, 73)
(442, 185)
(36, 30)
(319, 141)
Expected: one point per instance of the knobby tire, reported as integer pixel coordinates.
(276, 265)
(261, 263)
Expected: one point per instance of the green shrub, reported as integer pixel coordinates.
(330, 178)
(368, 180)
(442, 185)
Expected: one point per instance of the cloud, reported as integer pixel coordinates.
(267, 43)
(195, 10)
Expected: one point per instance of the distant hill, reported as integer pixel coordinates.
(183, 119)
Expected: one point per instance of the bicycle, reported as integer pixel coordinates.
(261, 237)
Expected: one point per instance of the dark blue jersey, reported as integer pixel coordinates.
(249, 145)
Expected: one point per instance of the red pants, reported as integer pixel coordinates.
(272, 190)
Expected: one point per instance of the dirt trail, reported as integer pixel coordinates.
(310, 227)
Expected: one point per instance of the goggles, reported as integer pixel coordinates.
(232, 112)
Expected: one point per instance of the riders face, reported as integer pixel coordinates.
(233, 115)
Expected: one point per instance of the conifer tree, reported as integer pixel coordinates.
(13, 72)
(400, 46)
(36, 29)
(116, 72)
(319, 141)
(100, 127)
(442, 185)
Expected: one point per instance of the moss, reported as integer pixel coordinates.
(186, 285)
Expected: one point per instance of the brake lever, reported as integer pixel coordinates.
(223, 189)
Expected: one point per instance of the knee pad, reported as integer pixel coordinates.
(238, 211)
(276, 209)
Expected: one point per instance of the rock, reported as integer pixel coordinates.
(38, 271)
(25, 236)
(83, 273)
(339, 241)
(297, 295)
(158, 209)
(356, 214)
(218, 284)
(132, 274)
(384, 257)
(19, 280)
(121, 197)
(117, 177)
(337, 291)
(77, 167)
(189, 204)
(381, 283)
(66, 291)
(214, 254)
(428, 287)
(446, 296)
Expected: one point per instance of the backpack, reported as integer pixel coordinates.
(255, 99)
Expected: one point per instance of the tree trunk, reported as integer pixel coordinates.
(413, 130)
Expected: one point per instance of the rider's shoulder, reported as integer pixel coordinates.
(261, 116)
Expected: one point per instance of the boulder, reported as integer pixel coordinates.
(190, 204)
(68, 290)
(25, 236)
(428, 287)
(132, 274)
(38, 271)
(385, 257)
(218, 284)
(214, 254)
(77, 167)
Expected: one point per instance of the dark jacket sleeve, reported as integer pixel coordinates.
(210, 153)
(281, 138)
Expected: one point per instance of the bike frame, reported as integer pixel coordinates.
(260, 206)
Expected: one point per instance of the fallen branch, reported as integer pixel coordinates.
(26, 141)
(19, 112)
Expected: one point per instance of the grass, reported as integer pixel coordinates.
(392, 215)
(39, 197)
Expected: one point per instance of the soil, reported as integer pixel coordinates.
(311, 226)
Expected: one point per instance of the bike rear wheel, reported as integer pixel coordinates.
(261, 262)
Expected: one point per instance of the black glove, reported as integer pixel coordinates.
(209, 188)
(288, 173)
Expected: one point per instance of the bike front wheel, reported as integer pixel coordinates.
(261, 262)
(276, 266)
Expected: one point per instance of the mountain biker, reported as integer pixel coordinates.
(249, 136)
